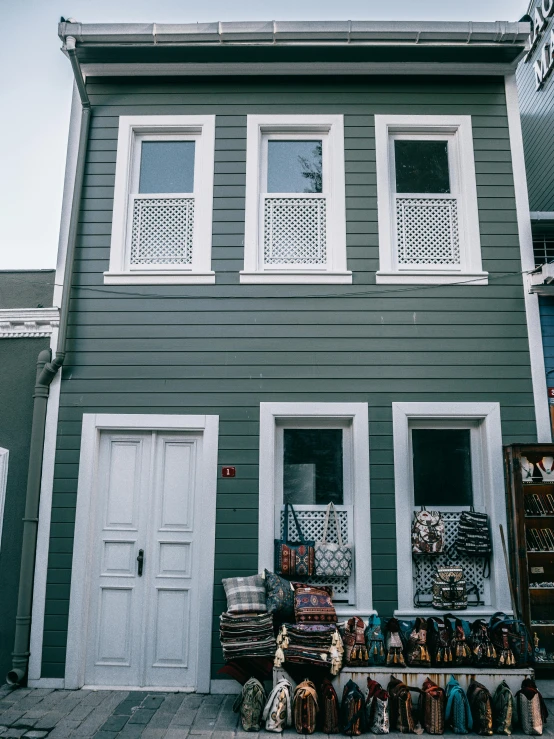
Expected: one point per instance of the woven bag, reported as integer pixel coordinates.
(439, 643)
(482, 648)
(458, 633)
(294, 558)
(503, 709)
(375, 641)
(417, 654)
(433, 707)
(355, 650)
(531, 709)
(481, 708)
(305, 708)
(449, 588)
(250, 703)
(377, 708)
(329, 708)
(427, 532)
(473, 537)
(277, 713)
(402, 715)
(352, 710)
(394, 644)
(458, 712)
(332, 559)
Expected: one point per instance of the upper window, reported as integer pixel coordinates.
(427, 200)
(163, 200)
(313, 466)
(295, 211)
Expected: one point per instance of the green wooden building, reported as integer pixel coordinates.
(293, 258)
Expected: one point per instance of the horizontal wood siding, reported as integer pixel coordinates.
(223, 349)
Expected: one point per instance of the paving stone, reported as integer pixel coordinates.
(150, 733)
(114, 723)
(34, 734)
(153, 701)
(227, 719)
(131, 731)
(142, 716)
(176, 733)
(64, 729)
(11, 717)
(105, 734)
(127, 707)
(15, 733)
(172, 703)
(50, 720)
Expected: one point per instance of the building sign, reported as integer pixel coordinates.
(542, 32)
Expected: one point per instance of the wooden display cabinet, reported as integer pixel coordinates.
(530, 495)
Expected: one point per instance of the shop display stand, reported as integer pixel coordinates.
(531, 528)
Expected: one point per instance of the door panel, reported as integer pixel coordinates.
(145, 499)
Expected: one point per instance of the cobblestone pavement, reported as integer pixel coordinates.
(105, 714)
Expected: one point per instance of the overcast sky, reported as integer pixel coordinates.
(36, 79)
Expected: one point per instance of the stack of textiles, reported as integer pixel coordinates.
(246, 635)
(310, 644)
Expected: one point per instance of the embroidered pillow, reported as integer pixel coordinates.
(313, 604)
(279, 597)
(245, 594)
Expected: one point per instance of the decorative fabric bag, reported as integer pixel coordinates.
(531, 709)
(417, 654)
(305, 708)
(439, 643)
(250, 703)
(279, 597)
(377, 708)
(352, 710)
(245, 594)
(481, 708)
(458, 633)
(329, 708)
(427, 532)
(395, 655)
(294, 558)
(355, 650)
(402, 716)
(499, 634)
(433, 709)
(313, 604)
(458, 712)
(503, 709)
(482, 648)
(517, 638)
(332, 560)
(473, 538)
(449, 589)
(375, 641)
(278, 709)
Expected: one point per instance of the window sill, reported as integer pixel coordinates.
(159, 278)
(431, 278)
(295, 278)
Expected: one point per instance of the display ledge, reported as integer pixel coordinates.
(415, 676)
(426, 612)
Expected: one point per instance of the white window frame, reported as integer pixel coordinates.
(353, 417)
(4, 459)
(457, 130)
(483, 419)
(331, 129)
(132, 130)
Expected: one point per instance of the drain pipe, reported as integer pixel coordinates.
(47, 369)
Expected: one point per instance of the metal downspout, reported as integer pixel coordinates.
(47, 369)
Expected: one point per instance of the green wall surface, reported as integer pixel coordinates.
(223, 349)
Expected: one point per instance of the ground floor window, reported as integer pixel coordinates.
(448, 458)
(312, 454)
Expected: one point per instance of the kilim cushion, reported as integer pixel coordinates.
(313, 604)
(279, 597)
(245, 594)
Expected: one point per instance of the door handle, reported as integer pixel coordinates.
(140, 560)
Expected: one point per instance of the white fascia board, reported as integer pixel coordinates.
(432, 278)
(295, 278)
(28, 322)
(542, 215)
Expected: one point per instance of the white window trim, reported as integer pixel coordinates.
(119, 272)
(356, 414)
(93, 424)
(4, 459)
(333, 127)
(494, 498)
(470, 242)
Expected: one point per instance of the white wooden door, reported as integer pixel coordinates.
(142, 625)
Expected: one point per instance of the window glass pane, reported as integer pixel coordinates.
(166, 166)
(422, 166)
(442, 467)
(312, 466)
(294, 166)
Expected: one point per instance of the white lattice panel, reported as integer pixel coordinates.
(312, 523)
(295, 231)
(162, 231)
(427, 231)
(425, 566)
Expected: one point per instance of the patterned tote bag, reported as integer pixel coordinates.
(332, 559)
(294, 558)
